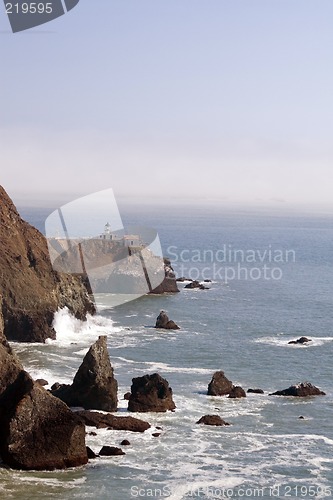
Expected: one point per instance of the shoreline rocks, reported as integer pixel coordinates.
(163, 321)
(150, 393)
(94, 386)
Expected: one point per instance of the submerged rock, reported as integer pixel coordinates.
(255, 391)
(301, 390)
(219, 385)
(163, 321)
(212, 420)
(110, 451)
(301, 340)
(150, 393)
(197, 284)
(94, 386)
(102, 420)
(31, 290)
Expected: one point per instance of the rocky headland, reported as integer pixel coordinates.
(31, 290)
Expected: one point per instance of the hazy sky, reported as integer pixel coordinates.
(228, 100)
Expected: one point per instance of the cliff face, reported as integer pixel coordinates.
(31, 290)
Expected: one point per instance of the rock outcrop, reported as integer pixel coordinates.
(212, 420)
(196, 284)
(94, 386)
(301, 340)
(255, 391)
(103, 420)
(111, 451)
(163, 321)
(169, 284)
(219, 385)
(150, 393)
(301, 390)
(37, 431)
(31, 290)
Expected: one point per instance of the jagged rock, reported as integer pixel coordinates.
(41, 382)
(110, 451)
(99, 420)
(37, 431)
(219, 385)
(150, 393)
(237, 392)
(301, 340)
(94, 386)
(196, 284)
(182, 279)
(169, 284)
(31, 290)
(90, 453)
(255, 391)
(212, 420)
(301, 390)
(163, 321)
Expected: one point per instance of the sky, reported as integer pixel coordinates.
(212, 101)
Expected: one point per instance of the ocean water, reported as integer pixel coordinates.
(242, 326)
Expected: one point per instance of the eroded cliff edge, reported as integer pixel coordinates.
(31, 290)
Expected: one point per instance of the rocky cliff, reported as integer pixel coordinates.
(31, 290)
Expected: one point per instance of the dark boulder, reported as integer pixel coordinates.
(127, 395)
(99, 420)
(37, 431)
(301, 390)
(237, 392)
(301, 340)
(125, 442)
(41, 382)
(255, 391)
(111, 451)
(94, 386)
(162, 321)
(196, 284)
(212, 420)
(156, 434)
(150, 393)
(219, 385)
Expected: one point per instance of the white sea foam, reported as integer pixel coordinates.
(70, 330)
(282, 341)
